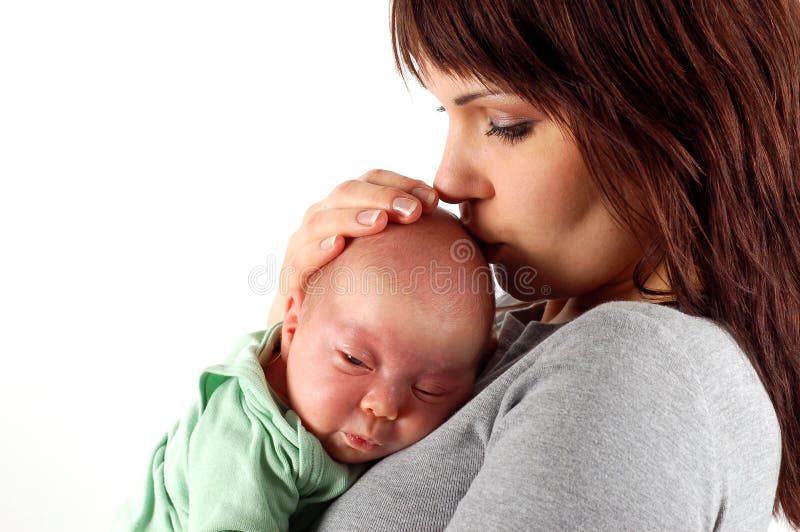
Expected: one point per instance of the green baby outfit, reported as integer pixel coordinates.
(239, 459)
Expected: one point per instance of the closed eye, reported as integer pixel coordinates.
(510, 134)
(353, 360)
(427, 394)
(349, 364)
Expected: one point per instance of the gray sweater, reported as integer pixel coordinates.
(633, 416)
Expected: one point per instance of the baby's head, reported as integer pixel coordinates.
(385, 344)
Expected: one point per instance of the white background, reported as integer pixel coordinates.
(152, 155)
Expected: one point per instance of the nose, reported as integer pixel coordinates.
(460, 176)
(381, 402)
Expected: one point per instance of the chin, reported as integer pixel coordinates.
(521, 282)
(342, 452)
(355, 457)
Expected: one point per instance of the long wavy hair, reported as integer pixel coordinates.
(695, 107)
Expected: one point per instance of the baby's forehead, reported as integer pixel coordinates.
(406, 324)
(434, 293)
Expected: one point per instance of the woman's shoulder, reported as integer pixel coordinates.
(639, 331)
(639, 352)
(635, 400)
(659, 346)
(626, 349)
(654, 377)
(694, 352)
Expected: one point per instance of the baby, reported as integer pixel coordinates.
(381, 348)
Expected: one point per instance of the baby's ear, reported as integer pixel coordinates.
(291, 317)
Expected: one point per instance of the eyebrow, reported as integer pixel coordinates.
(464, 99)
(361, 334)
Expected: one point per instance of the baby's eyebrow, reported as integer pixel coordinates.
(448, 373)
(354, 332)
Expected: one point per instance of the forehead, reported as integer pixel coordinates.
(435, 80)
(455, 91)
(400, 326)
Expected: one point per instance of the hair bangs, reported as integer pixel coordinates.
(460, 39)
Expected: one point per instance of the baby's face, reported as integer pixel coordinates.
(369, 375)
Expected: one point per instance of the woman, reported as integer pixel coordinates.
(637, 164)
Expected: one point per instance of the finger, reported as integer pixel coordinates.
(349, 222)
(313, 256)
(400, 206)
(424, 192)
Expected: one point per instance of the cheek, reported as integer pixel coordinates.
(547, 202)
(318, 394)
(423, 421)
(412, 429)
(546, 180)
(551, 210)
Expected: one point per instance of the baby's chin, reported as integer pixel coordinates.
(362, 459)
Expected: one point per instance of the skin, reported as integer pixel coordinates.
(530, 201)
(365, 394)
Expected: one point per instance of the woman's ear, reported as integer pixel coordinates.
(291, 317)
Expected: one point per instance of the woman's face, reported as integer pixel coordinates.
(525, 192)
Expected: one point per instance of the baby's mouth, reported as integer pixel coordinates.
(360, 443)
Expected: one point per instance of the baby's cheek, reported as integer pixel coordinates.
(422, 423)
(326, 405)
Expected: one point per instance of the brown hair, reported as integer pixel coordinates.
(693, 108)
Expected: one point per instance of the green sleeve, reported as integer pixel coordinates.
(236, 460)
(239, 467)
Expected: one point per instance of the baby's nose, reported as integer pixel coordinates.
(381, 403)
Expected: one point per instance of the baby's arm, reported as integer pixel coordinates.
(239, 473)
(219, 468)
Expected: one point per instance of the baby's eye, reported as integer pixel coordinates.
(353, 360)
(429, 394)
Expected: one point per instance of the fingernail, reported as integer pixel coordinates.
(425, 194)
(328, 242)
(368, 217)
(404, 206)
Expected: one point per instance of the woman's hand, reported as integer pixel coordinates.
(354, 208)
